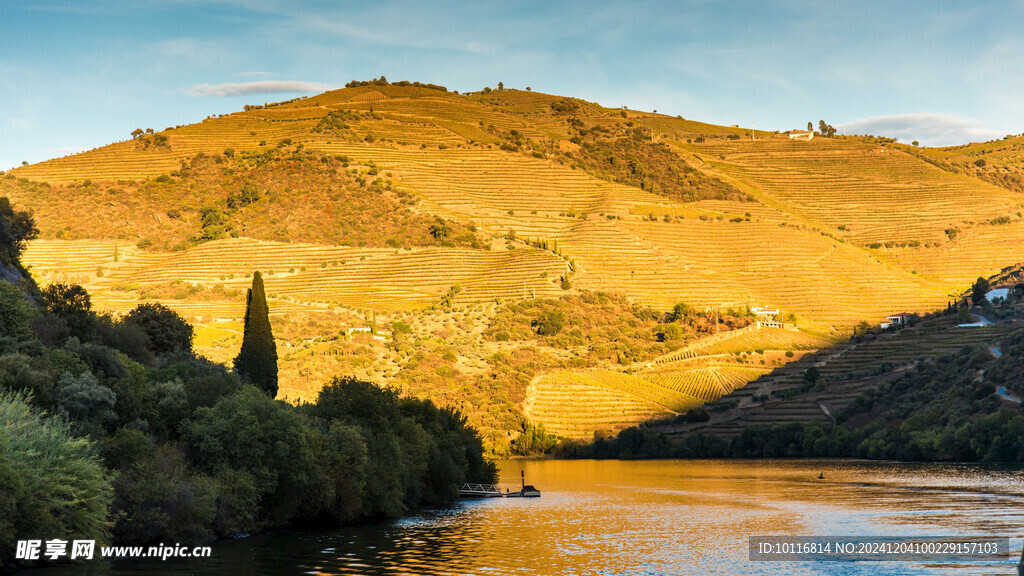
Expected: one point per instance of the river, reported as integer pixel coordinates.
(651, 518)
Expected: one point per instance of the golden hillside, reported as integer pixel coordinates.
(386, 203)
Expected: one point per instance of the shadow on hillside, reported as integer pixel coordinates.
(818, 386)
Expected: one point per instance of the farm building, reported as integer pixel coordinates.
(900, 319)
(805, 135)
(770, 317)
(997, 294)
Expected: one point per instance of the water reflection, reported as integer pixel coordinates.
(651, 518)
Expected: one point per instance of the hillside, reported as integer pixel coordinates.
(385, 203)
(935, 390)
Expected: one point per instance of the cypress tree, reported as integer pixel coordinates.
(257, 360)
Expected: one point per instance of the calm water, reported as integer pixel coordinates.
(652, 518)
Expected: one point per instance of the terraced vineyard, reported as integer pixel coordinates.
(945, 226)
(835, 231)
(298, 276)
(751, 338)
(702, 372)
(574, 405)
(862, 188)
(706, 383)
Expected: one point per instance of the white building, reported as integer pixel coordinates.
(805, 135)
(900, 319)
(770, 317)
(997, 294)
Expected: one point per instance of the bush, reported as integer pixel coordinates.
(19, 372)
(89, 404)
(160, 499)
(51, 483)
(549, 323)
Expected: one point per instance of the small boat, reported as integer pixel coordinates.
(527, 491)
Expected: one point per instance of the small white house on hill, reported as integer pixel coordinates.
(900, 319)
(805, 135)
(769, 317)
(997, 294)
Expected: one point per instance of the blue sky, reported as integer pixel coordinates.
(80, 74)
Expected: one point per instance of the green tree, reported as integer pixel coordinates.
(71, 303)
(15, 312)
(89, 404)
(16, 228)
(258, 448)
(166, 329)
(979, 290)
(160, 499)
(257, 360)
(811, 375)
(679, 312)
(549, 323)
(963, 313)
(533, 440)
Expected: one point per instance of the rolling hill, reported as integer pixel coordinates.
(384, 203)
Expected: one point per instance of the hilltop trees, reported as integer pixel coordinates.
(257, 360)
(825, 129)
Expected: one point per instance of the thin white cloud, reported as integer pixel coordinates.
(262, 87)
(928, 129)
(253, 74)
(65, 150)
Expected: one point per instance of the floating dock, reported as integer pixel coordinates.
(469, 490)
(480, 491)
